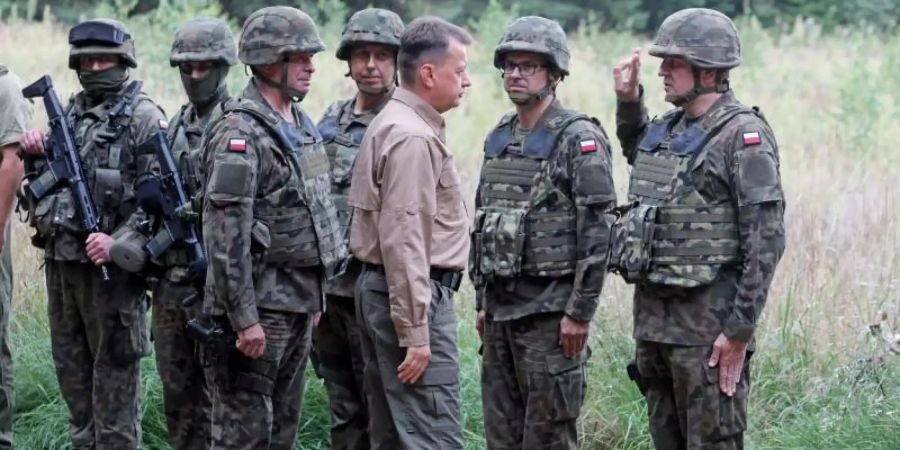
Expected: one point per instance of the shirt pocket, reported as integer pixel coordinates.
(449, 199)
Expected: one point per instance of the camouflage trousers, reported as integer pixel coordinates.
(532, 394)
(185, 395)
(98, 333)
(424, 415)
(7, 398)
(337, 357)
(685, 406)
(256, 403)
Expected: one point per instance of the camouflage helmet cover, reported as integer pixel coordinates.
(101, 37)
(707, 38)
(537, 35)
(271, 33)
(204, 39)
(372, 25)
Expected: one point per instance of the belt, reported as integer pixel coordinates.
(445, 277)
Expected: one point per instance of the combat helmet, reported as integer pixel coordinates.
(272, 33)
(373, 26)
(204, 39)
(707, 38)
(101, 37)
(537, 35)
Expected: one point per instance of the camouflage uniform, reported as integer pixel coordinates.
(15, 117)
(98, 329)
(271, 232)
(185, 394)
(538, 253)
(337, 355)
(701, 238)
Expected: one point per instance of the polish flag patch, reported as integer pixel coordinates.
(588, 146)
(752, 138)
(163, 125)
(237, 145)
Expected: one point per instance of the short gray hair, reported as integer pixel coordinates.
(426, 39)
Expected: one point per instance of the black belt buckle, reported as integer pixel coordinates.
(449, 278)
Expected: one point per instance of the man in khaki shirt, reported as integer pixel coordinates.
(410, 228)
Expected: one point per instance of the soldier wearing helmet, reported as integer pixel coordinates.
(369, 45)
(271, 232)
(539, 245)
(98, 327)
(701, 235)
(203, 50)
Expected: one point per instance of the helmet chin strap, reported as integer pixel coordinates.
(283, 87)
(524, 99)
(698, 89)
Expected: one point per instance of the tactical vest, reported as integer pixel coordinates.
(300, 217)
(669, 234)
(102, 139)
(185, 143)
(342, 137)
(525, 224)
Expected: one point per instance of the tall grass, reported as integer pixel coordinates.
(819, 379)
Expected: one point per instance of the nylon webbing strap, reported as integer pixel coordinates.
(564, 225)
(554, 256)
(552, 241)
(651, 176)
(507, 195)
(704, 250)
(679, 217)
(695, 234)
(648, 191)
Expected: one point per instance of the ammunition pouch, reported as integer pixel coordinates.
(501, 235)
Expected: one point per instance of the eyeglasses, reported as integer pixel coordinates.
(526, 69)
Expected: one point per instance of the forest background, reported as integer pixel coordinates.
(826, 74)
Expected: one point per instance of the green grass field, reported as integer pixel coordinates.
(821, 379)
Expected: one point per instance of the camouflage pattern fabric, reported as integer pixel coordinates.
(739, 167)
(540, 233)
(342, 131)
(98, 329)
(371, 25)
(98, 334)
(532, 393)
(686, 408)
(204, 39)
(257, 195)
(243, 419)
(409, 417)
(100, 47)
(270, 33)
(705, 37)
(536, 35)
(337, 358)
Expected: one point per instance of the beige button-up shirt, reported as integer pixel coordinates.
(408, 213)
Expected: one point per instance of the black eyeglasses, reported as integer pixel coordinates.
(526, 69)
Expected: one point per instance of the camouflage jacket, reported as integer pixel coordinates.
(257, 209)
(184, 135)
(110, 163)
(739, 168)
(342, 131)
(546, 191)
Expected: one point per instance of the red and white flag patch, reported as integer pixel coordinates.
(752, 138)
(237, 145)
(163, 125)
(588, 146)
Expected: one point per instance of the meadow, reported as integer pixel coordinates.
(825, 375)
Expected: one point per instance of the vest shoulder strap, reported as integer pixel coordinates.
(500, 137)
(541, 142)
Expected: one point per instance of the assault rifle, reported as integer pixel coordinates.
(165, 195)
(63, 161)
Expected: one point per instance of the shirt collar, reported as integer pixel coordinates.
(422, 109)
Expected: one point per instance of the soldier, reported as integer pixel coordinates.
(538, 245)
(702, 235)
(369, 44)
(271, 233)
(410, 230)
(203, 51)
(98, 329)
(15, 117)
